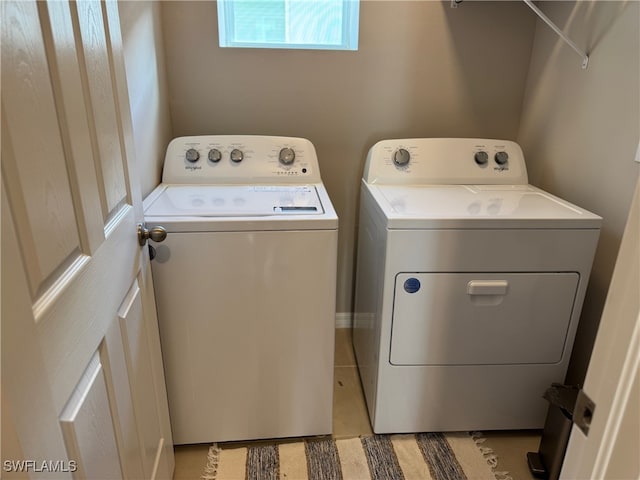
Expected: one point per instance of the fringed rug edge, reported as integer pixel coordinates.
(490, 456)
(213, 459)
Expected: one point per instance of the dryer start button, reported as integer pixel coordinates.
(411, 285)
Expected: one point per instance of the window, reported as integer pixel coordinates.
(315, 24)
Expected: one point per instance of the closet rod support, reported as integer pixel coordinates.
(585, 57)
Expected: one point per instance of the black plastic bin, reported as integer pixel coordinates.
(547, 461)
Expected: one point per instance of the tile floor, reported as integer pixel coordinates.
(350, 419)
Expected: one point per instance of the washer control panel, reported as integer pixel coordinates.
(251, 159)
(455, 161)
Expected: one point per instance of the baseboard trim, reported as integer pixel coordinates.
(343, 319)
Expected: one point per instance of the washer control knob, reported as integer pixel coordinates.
(401, 157)
(287, 156)
(481, 157)
(236, 155)
(192, 155)
(501, 158)
(214, 155)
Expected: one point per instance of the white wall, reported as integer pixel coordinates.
(146, 79)
(422, 70)
(580, 130)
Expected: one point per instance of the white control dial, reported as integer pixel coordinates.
(287, 156)
(236, 155)
(214, 155)
(401, 157)
(192, 155)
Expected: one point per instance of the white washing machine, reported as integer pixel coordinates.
(245, 287)
(469, 286)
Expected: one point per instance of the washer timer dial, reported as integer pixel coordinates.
(287, 156)
(192, 155)
(401, 157)
(214, 155)
(481, 157)
(501, 158)
(236, 155)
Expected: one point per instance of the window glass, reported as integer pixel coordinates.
(317, 24)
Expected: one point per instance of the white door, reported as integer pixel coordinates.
(610, 449)
(83, 391)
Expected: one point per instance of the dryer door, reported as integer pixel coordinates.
(481, 319)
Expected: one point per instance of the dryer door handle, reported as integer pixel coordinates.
(487, 287)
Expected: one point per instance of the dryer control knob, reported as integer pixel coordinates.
(401, 157)
(192, 155)
(502, 158)
(481, 157)
(236, 155)
(287, 156)
(215, 155)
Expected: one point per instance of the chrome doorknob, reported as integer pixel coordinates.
(157, 233)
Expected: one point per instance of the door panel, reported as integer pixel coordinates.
(137, 354)
(25, 387)
(10, 442)
(113, 357)
(58, 30)
(107, 148)
(87, 426)
(69, 237)
(34, 157)
(93, 295)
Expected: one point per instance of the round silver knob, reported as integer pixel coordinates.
(502, 158)
(287, 156)
(236, 155)
(401, 157)
(192, 155)
(481, 158)
(214, 155)
(157, 233)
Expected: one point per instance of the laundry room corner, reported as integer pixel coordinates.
(144, 58)
(580, 129)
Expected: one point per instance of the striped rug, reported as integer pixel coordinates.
(423, 456)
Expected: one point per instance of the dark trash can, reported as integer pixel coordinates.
(547, 461)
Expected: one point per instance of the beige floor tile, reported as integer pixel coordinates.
(190, 461)
(350, 418)
(344, 350)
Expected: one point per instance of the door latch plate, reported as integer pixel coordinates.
(583, 412)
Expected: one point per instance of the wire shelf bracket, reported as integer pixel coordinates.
(554, 27)
(547, 20)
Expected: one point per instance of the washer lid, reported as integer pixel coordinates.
(478, 206)
(235, 201)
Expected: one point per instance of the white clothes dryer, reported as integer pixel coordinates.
(469, 286)
(245, 287)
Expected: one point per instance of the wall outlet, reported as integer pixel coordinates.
(638, 153)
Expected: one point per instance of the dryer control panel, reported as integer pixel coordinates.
(450, 161)
(240, 159)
